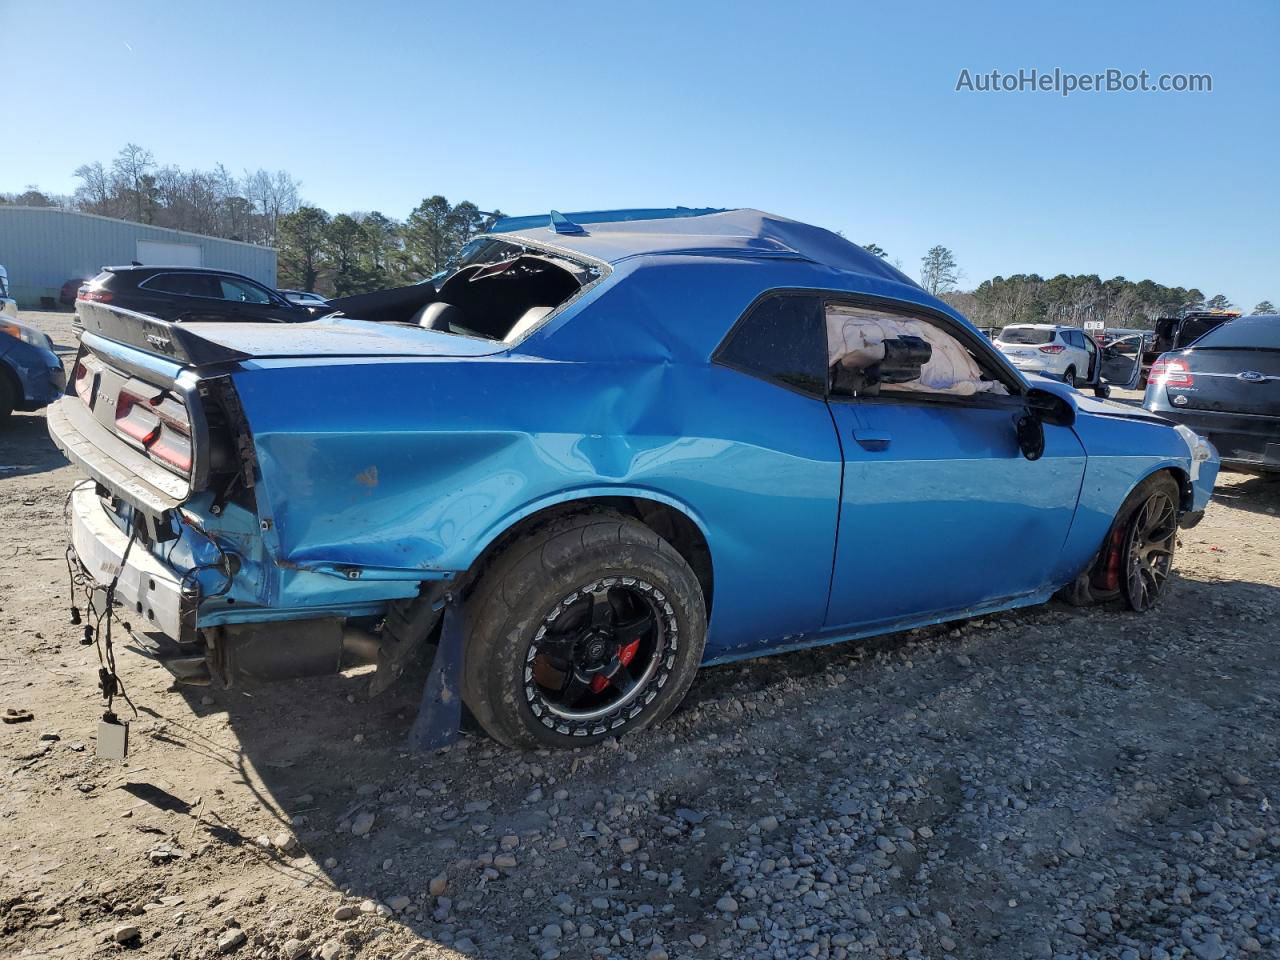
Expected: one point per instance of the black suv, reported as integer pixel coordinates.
(185, 294)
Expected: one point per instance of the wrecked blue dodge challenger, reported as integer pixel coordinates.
(625, 445)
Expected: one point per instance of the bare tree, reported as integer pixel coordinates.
(938, 270)
(132, 165)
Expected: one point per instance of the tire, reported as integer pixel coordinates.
(1150, 539)
(1106, 577)
(7, 398)
(546, 662)
(1069, 378)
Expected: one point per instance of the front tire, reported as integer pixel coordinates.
(7, 398)
(590, 627)
(1069, 378)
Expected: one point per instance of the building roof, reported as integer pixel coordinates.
(60, 211)
(745, 233)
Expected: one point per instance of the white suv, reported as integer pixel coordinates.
(1064, 352)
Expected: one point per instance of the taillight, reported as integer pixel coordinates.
(1172, 372)
(157, 424)
(134, 418)
(97, 296)
(82, 377)
(1053, 348)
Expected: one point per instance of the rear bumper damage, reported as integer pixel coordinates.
(182, 619)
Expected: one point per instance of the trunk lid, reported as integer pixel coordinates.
(207, 344)
(1245, 381)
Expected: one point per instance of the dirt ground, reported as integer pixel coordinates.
(1047, 783)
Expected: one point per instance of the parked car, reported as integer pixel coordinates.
(615, 453)
(8, 305)
(31, 375)
(67, 295)
(185, 295)
(1066, 353)
(305, 298)
(1226, 387)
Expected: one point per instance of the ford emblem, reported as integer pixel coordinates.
(1251, 376)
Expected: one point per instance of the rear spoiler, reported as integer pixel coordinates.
(160, 337)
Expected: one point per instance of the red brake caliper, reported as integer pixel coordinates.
(626, 655)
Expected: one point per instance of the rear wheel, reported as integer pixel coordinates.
(590, 627)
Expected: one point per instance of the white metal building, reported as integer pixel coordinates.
(43, 247)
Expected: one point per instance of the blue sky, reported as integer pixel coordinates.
(842, 114)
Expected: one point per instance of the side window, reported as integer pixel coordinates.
(780, 339)
(873, 350)
(182, 284)
(241, 292)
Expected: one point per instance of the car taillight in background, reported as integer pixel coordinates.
(97, 296)
(1053, 348)
(1172, 372)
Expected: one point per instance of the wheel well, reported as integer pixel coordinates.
(666, 521)
(1184, 486)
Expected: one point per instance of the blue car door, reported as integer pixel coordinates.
(940, 511)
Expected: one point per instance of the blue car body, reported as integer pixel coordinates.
(33, 371)
(385, 457)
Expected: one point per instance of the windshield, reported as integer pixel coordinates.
(1025, 335)
(1246, 333)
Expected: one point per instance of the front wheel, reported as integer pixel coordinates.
(1149, 542)
(1069, 378)
(590, 627)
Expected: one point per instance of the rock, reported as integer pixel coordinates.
(438, 885)
(727, 904)
(767, 824)
(1210, 948)
(505, 861)
(231, 939)
(886, 845)
(628, 844)
(285, 842)
(690, 816)
(1235, 778)
(124, 934)
(552, 931)
(329, 951)
(345, 912)
(697, 940)
(293, 949)
(657, 953)
(1073, 847)
(398, 903)
(369, 906)
(363, 823)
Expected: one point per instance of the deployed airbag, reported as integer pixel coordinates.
(856, 340)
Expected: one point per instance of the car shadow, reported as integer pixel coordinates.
(26, 447)
(1240, 491)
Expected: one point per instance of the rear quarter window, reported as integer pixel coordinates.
(780, 339)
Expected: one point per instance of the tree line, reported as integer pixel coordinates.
(356, 252)
(1070, 300)
(334, 255)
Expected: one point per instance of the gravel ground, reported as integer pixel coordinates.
(1046, 783)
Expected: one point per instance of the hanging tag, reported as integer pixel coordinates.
(113, 738)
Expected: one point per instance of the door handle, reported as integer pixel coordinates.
(872, 439)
